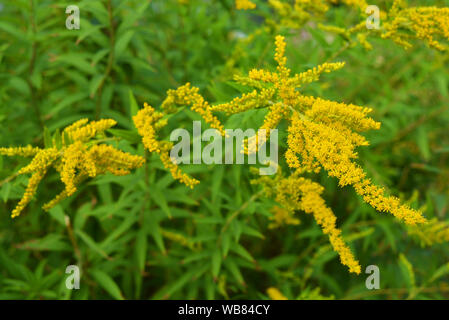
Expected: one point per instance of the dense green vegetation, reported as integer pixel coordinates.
(147, 236)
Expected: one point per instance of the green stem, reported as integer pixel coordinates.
(110, 60)
(34, 47)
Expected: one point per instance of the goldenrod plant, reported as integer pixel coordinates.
(88, 174)
(76, 156)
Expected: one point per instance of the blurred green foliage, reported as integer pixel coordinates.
(146, 236)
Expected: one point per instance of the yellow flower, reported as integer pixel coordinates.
(246, 102)
(429, 24)
(282, 216)
(275, 294)
(313, 203)
(106, 158)
(75, 157)
(434, 232)
(334, 152)
(297, 193)
(322, 134)
(79, 157)
(27, 151)
(147, 122)
(244, 4)
(83, 132)
(42, 160)
(188, 95)
(360, 4)
(296, 15)
(30, 190)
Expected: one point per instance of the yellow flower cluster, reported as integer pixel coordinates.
(27, 151)
(401, 24)
(297, 14)
(360, 4)
(188, 95)
(313, 203)
(244, 4)
(77, 157)
(148, 122)
(298, 193)
(332, 146)
(429, 24)
(282, 216)
(322, 134)
(433, 232)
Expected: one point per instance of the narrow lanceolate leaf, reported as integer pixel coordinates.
(141, 248)
(133, 107)
(107, 283)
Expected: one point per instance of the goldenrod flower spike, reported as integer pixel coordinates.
(85, 132)
(244, 4)
(188, 95)
(71, 160)
(43, 159)
(313, 203)
(434, 232)
(27, 151)
(148, 122)
(29, 192)
(314, 74)
(296, 193)
(78, 158)
(78, 124)
(429, 24)
(322, 134)
(282, 216)
(360, 4)
(297, 14)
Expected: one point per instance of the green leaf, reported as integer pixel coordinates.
(423, 143)
(234, 270)
(442, 271)
(107, 283)
(51, 242)
(20, 85)
(48, 141)
(241, 251)
(160, 200)
(58, 214)
(216, 263)
(91, 243)
(128, 135)
(6, 190)
(155, 231)
(95, 84)
(78, 61)
(57, 139)
(141, 248)
(180, 282)
(407, 271)
(133, 107)
(122, 42)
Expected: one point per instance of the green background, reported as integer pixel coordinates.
(120, 227)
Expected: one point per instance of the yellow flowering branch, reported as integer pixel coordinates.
(74, 156)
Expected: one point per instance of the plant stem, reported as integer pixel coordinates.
(237, 212)
(73, 240)
(34, 47)
(111, 58)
